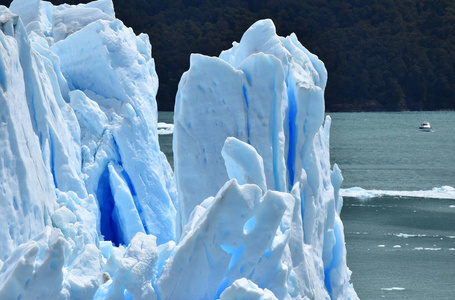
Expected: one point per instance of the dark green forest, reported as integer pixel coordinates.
(380, 55)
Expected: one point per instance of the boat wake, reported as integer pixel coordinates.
(444, 192)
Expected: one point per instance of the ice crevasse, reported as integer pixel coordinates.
(91, 207)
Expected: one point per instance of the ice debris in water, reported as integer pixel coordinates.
(393, 289)
(165, 128)
(90, 206)
(444, 192)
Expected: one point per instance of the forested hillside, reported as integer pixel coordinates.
(380, 55)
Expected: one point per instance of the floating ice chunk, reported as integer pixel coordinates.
(427, 249)
(164, 128)
(245, 289)
(243, 163)
(433, 249)
(444, 192)
(405, 235)
(393, 289)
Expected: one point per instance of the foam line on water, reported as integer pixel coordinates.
(444, 192)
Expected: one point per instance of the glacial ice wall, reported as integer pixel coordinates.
(91, 207)
(255, 115)
(105, 78)
(80, 160)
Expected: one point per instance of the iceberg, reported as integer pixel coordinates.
(93, 210)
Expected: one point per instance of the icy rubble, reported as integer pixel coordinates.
(90, 206)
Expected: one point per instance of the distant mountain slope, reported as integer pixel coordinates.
(380, 55)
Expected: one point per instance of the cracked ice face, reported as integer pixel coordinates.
(80, 162)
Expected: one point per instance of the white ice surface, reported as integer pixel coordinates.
(78, 164)
(89, 204)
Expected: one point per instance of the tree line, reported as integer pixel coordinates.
(380, 54)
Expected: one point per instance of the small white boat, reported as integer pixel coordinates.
(425, 126)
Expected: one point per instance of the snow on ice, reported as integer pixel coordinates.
(92, 208)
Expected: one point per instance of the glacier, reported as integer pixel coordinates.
(93, 210)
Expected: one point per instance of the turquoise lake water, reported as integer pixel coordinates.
(387, 151)
(398, 247)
